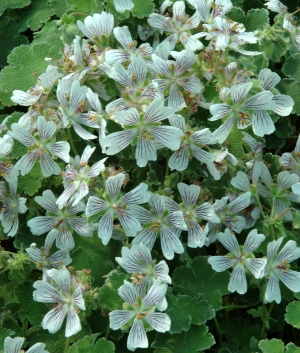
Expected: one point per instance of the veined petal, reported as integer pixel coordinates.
(119, 318)
(157, 203)
(140, 213)
(188, 193)
(285, 180)
(273, 247)
(159, 321)
(241, 181)
(262, 123)
(35, 253)
(81, 226)
(77, 95)
(54, 319)
(82, 191)
(256, 266)
(273, 289)
(161, 272)
(284, 104)
(239, 92)
(128, 117)
(114, 183)
(261, 100)
(241, 202)
(269, 79)
(48, 166)
(190, 42)
(202, 155)
(289, 252)
(73, 323)
(26, 163)
(65, 196)
(13, 345)
(42, 224)
(46, 293)
(61, 149)
(223, 131)
(128, 293)
(179, 159)
(230, 242)
(147, 237)
(84, 134)
(22, 135)
(95, 205)
(37, 348)
(130, 225)
(162, 65)
(196, 235)
(138, 195)
(253, 241)
(158, 112)
(219, 111)
(238, 280)
(64, 239)
(145, 151)
(170, 244)
(123, 34)
(117, 141)
(291, 279)
(160, 22)
(96, 168)
(63, 279)
(176, 219)
(207, 212)
(220, 263)
(168, 136)
(105, 228)
(137, 337)
(45, 128)
(176, 98)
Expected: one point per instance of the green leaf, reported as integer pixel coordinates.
(3, 334)
(291, 67)
(109, 298)
(196, 339)
(273, 163)
(201, 278)
(274, 47)
(87, 6)
(37, 13)
(291, 88)
(234, 140)
(59, 7)
(26, 62)
(30, 183)
(292, 315)
(87, 345)
(142, 8)
(284, 127)
(30, 309)
(291, 348)
(92, 254)
(257, 19)
(271, 346)
(184, 310)
(237, 14)
(9, 38)
(296, 219)
(55, 342)
(49, 34)
(12, 4)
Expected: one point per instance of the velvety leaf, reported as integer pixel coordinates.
(87, 345)
(201, 278)
(30, 309)
(257, 19)
(49, 34)
(37, 13)
(291, 67)
(271, 346)
(9, 38)
(30, 183)
(196, 339)
(59, 7)
(26, 62)
(184, 310)
(12, 4)
(109, 298)
(291, 348)
(142, 8)
(237, 14)
(234, 140)
(292, 315)
(87, 253)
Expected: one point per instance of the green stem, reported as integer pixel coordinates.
(107, 5)
(77, 14)
(107, 332)
(219, 330)
(260, 206)
(67, 344)
(284, 212)
(25, 328)
(72, 142)
(6, 269)
(234, 306)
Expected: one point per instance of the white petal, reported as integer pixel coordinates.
(73, 323)
(220, 263)
(119, 318)
(128, 293)
(170, 244)
(105, 228)
(262, 124)
(238, 280)
(137, 337)
(159, 321)
(54, 319)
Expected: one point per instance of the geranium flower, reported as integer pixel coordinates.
(94, 27)
(240, 258)
(278, 269)
(116, 205)
(60, 223)
(69, 301)
(139, 312)
(159, 221)
(42, 146)
(14, 345)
